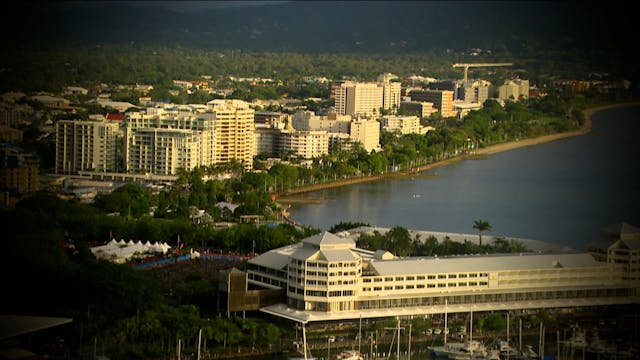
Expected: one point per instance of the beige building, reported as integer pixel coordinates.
(234, 139)
(401, 124)
(391, 92)
(441, 99)
(367, 132)
(463, 107)
(163, 151)
(86, 145)
(514, 90)
(619, 244)
(326, 277)
(275, 119)
(355, 98)
(267, 139)
(305, 144)
(333, 123)
(225, 129)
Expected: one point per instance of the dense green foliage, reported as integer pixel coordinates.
(399, 242)
(346, 225)
(48, 255)
(50, 69)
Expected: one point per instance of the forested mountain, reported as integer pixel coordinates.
(47, 41)
(324, 26)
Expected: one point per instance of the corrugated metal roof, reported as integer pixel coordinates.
(339, 255)
(276, 259)
(304, 253)
(327, 238)
(481, 263)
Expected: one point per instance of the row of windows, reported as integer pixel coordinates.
(340, 273)
(423, 277)
(429, 286)
(324, 282)
(266, 280)
(317, 282)
(466, 299)
(312, 264)
(489, 298)
(342, 282)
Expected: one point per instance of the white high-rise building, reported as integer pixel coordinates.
(223, 128)
(353, 98)
(234, 138)
(391, 92)
(86, 145)
(162, 151)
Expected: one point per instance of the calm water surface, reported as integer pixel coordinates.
(562, 192)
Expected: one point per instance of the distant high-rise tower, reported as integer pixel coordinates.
(234, 127)
(353, 98)
(86, 145)
(391, 92)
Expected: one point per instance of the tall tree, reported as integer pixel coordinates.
(481, 225)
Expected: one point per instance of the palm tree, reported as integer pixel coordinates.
(481, 225)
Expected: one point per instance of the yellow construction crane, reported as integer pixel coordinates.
(466, 66)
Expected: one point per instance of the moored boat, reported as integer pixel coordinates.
(348, 355)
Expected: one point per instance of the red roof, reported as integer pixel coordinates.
(118, 117)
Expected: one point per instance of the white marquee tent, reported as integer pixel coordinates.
(121, 251)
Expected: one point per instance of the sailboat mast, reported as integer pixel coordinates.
(471, 325)
(445, 321)
(409, 345)
(398, 345)
(508, 328)
(520, 333)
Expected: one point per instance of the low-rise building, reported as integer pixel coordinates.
(463, 107)
(441, 99)
(514, 90)
(18, 174)
(326, 277)
(401, 124)
(422, 109)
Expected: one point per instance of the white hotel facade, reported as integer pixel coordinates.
(326, 277)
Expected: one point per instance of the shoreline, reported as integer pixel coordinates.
(493, 149)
